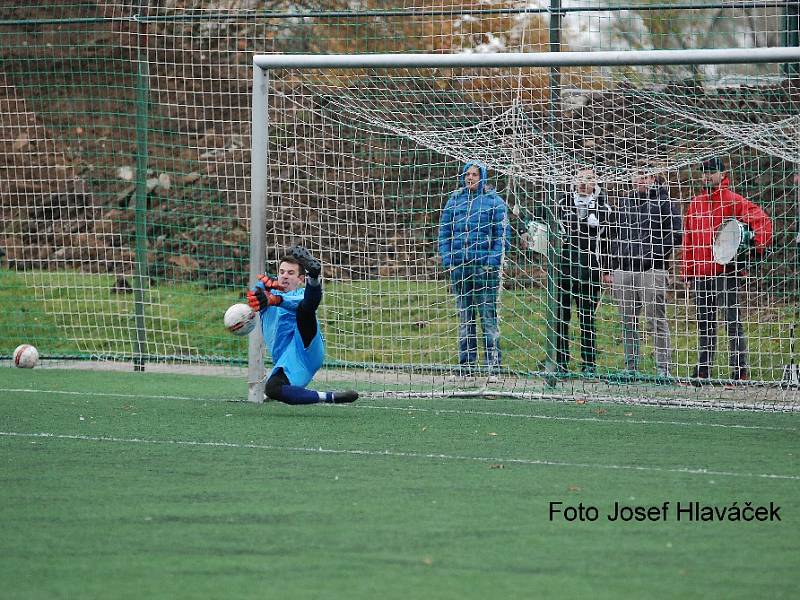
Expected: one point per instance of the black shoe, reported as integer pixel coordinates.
(310, 265)
(546, 365)
(740, 375)
(464, 371)
(700, 376)
(345, 397)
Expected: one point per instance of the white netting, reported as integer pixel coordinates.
(399, 138)
(603, 120)
(118, 110)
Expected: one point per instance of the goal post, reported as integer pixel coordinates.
(258, 190)
(444, 139)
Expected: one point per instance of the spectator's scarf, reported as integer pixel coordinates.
(585, 203)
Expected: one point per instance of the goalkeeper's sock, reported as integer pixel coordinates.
(294, 394)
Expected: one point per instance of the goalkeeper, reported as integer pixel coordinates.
(291, 331)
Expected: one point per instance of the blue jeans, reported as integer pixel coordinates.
(475, 289)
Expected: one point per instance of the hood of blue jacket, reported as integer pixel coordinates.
(481, 167)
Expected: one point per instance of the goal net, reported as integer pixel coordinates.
(125, 184)
(432, 287)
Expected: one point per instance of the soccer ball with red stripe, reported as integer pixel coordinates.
(240, 319)
(26, 356)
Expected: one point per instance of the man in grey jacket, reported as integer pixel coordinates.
(648, 228)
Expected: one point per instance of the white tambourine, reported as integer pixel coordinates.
(733, 239)
(537, 237)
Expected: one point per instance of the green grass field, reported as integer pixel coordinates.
(126, 485)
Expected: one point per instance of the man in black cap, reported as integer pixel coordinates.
(715, 286)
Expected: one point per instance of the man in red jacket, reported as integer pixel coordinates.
(716, 286)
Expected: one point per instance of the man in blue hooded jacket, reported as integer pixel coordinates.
(473, 239)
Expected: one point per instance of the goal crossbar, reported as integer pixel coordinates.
(529, 59)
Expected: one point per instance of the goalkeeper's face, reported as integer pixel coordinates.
(290, 276)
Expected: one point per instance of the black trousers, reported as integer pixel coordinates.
(585, 294)
(712, 294)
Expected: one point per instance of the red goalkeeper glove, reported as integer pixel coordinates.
(259, 299)
(270, 283)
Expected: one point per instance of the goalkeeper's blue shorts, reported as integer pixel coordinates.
(300, 363)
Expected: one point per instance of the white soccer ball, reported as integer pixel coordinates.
(26, 356)
(240, 319)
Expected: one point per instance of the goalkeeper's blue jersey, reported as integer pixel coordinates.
(282, 338)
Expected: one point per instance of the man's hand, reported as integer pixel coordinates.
(270, 283)
(259, 299)
(752, 253)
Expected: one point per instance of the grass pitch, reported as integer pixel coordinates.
(126, 485)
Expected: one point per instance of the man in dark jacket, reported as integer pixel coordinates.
(473, 240)
(648, 228)
(584, 217)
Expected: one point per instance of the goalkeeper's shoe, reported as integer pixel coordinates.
(259, 299)
(345, 397)
(310, 265)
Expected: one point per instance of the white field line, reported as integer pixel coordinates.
(107, 394)
(399, 454)
(436, 411)
(659, 401)
(446, 411)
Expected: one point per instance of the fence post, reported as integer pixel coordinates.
(553, 238)
(791, 35)
(141, 278)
